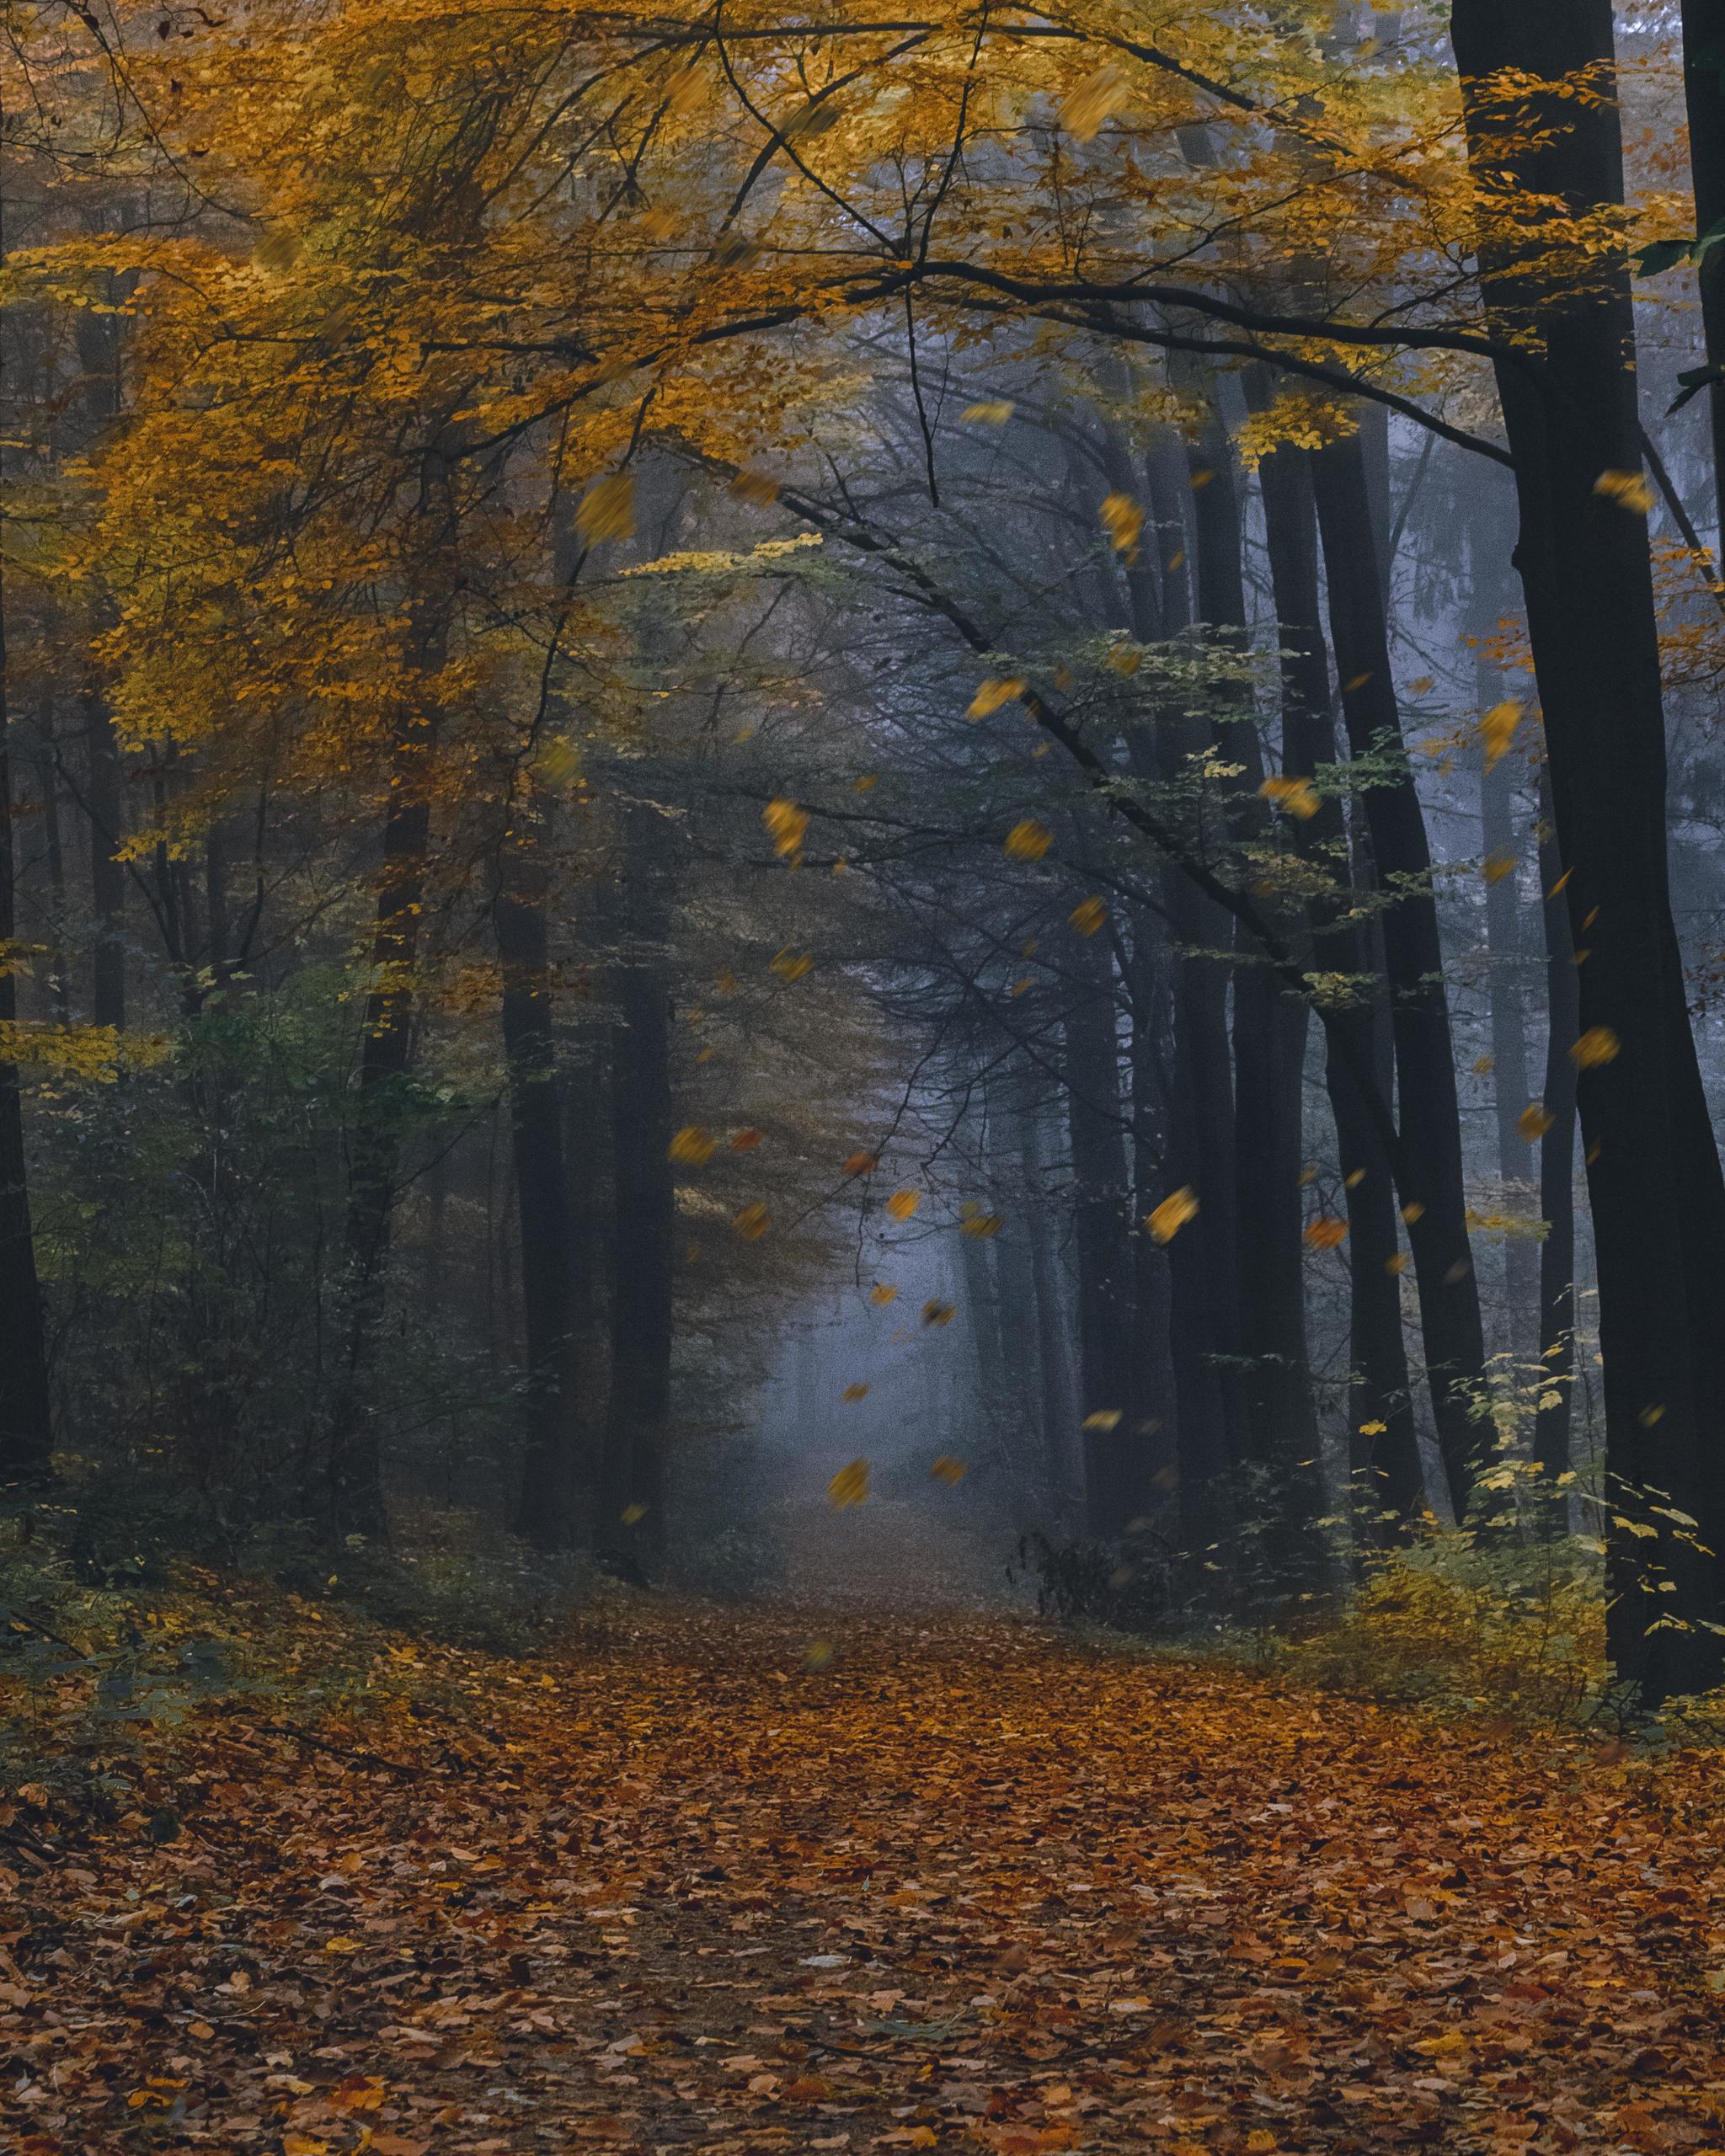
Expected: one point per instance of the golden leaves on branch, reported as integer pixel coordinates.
(849, 1486)
(607, 510)
(1167, 1220)
(1088, 107)
(1029, 840)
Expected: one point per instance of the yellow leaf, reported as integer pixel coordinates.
(1093, 102)
(1123, 520)
(981, 1226)
(992, 695)
(937, 1313)
(1413, 1211)
(1326, 1233)
(1029, 840)
(341, 1944)
(607, 510)
(1628, 489)
(1125, 658)
(1484, 1064)
(947, 1469)
(855, 1392)
(882, 1295)
(746, 1141)
(1532, 1123)
(692, 1146)
(632, 1515)
(818, 1655)
(752, 1223)
(1298, 795)
(859, 1164)
(1088, 916)
(1398, 1264)
(1104, 1418)
(1165, 1221)
(1598, 1044)
(866, 784)
(992, 411)
(1373, 1429)
(751, 485)
(1497, 866)
(849, 1486)
(792, 965)
(1498, 730)
(787, 825)
(903, 1204)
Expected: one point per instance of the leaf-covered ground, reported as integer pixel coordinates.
(967, 1887)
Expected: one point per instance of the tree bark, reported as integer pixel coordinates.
(1429, 1113)
(1557, 1290)
(1653, 1178)
(552, 1470)
(1704, 95)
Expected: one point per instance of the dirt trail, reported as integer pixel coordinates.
(967, 1887)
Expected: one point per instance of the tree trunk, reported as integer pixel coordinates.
(1653, 1179)
(1507, 989)
(552, 1472)
(1430, 1119)
(1556, 1291)
(1384, 1447)
(632, 1522)
(107, 876)
(1704, 94)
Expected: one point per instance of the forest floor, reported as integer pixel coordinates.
(965, 1885)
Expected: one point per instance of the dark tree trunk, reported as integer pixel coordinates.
(1430, 1119)
(1093, 1116)
(552, 1472)
(632, 1522)
(1704, 93)
(26, 1420)
(1653, 1178)
(1384, 1445)
(1152, 1411)
(1558, 1161)
(1057, 1397)
(107, 876)
(1505, 952)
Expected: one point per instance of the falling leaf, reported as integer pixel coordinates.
(1498, 730)
(754, 485)
(632, 1515)
(816, 1655)
(1497, 866)
(938, 1313)
(1598, 1044)
(849, 1486)
(860, 1163)
(1628, 489)
(1167, 1220)
(981, 1226)
(1298, 795)
(1122, 520)
(1103, 1418)
(1124, 658)
(882, 1295)
(692, 1146)
(903, 1204)
(866, 784)
(992, 411)
(1326, 1233)
(1413, 1211)
(1023, 987)
(1087, 916)
(992, 695)
(746, 1141)
(339, 1943)
(1089, 106)
(1483, 1065)
(1532, 1123)
(1373, 1429)
(1029, 840)
(607, 510)
(1358, 681)
(792, 964)
(947, 1469)
(1398, 1264)
(787, 825)
(752, 1223)
(855, 1392)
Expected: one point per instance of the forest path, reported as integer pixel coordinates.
(968, 1887)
